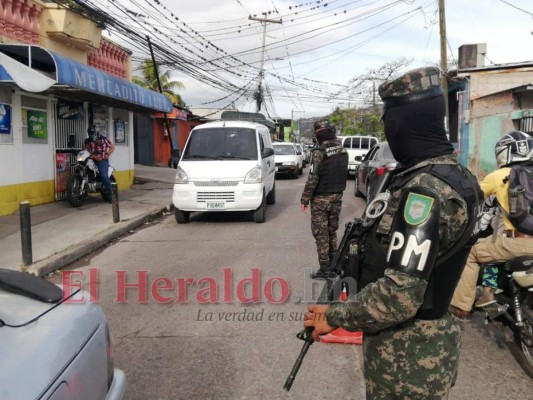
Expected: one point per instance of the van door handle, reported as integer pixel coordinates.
(268, 163)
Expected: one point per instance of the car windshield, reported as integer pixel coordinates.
(222, 144)
(284, 149)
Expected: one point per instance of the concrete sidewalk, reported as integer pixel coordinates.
(62, 234)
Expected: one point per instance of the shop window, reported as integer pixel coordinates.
(6, 116)
(34, 120)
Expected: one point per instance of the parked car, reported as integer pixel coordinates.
(288, 159)
(308, 149)
(53, 347)
(302, 152)
(371, 167)
(357, 147)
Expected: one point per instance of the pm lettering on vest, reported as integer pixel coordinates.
(415, 238)
(411, 251)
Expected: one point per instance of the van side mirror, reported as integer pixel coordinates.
(176, 153)
(71, 142)
(267, 152)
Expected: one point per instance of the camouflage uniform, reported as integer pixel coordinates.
(406, 357)
(325, 210)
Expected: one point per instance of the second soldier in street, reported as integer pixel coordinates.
(323, 189)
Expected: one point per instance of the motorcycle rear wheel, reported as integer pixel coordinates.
(74, 192)
(525, 342)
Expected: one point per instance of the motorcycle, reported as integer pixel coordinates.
(85, 179)
(514, 306)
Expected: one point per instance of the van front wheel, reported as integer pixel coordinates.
(182, 217)
(260, 213)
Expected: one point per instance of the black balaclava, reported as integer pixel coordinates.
(325, 134)
(415, 130)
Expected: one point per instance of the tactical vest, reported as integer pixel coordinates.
(450, 261)
(334, 168)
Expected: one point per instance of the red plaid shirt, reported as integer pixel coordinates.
(99, 147)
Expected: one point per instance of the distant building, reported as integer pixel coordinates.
(494, 100)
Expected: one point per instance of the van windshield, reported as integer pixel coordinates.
(222, 144)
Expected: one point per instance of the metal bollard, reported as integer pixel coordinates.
(25, 233)
(114, 196)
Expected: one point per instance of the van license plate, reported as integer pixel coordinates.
(216, 205)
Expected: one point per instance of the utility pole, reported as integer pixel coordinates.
(156, 72)
(444, 60)
(259, 94)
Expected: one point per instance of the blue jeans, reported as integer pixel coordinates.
(103, 169)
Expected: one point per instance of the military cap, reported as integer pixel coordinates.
(415, 85)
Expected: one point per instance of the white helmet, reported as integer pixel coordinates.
(514, 147)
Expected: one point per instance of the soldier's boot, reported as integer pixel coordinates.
(324, 272)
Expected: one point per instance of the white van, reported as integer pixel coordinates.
(357, 147)
(225, 166)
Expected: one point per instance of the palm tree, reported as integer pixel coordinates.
(148, 80)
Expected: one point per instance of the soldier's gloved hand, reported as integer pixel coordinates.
(316, 318)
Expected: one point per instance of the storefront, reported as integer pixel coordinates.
(45, 98)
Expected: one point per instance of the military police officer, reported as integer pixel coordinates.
(413, 254)
(323, 189)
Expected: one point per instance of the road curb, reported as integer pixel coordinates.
(75, 252)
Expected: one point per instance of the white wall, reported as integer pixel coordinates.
(24, 162)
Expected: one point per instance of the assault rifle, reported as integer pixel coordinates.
(345, 261)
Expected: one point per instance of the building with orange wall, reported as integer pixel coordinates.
(180, 124)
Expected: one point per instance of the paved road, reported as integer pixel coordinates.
(221, 336)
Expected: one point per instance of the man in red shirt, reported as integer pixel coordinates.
(100, 148)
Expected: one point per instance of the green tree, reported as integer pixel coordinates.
(358, 121)
(148, 80)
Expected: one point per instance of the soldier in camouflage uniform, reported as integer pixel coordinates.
(413, 255)
(323, 189)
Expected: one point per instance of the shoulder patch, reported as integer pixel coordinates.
(417, 208)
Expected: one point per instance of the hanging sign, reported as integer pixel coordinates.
(37, 124)
(69, 110)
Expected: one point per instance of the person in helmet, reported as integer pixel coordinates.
(100, 148)
(514, 147)
(323, 190)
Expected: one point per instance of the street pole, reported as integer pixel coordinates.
(165, 118)
(444, 61)
(259, 93)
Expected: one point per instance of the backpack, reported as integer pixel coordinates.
(521, 197)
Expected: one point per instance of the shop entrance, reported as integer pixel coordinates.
(71, 131)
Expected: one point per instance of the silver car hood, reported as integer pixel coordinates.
(33, 355)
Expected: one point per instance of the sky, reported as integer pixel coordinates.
(312, 57)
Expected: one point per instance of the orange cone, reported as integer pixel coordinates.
(341, 335)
